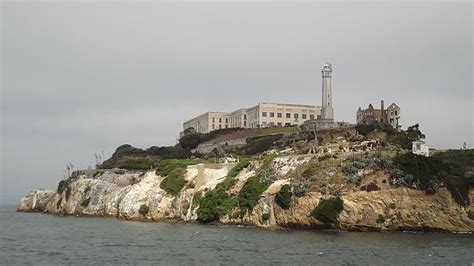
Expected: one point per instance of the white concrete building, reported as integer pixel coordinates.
(419, 147)
(261, 115)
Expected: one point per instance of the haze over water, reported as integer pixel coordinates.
(32, 238)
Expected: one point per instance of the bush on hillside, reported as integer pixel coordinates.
(260, 144)
(250, 194)
(283, 197)
(365, 129)
(423, 169)
(190, 141)
(214, 204)
(144, 209)
(380, 219)
(166, 166)
(137, 164)
(328, 210)
(218, 202)
(174, 182)
(85, 203)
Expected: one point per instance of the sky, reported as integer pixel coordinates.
(80, 78)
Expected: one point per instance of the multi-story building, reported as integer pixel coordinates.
(261, 115)
(391, 115)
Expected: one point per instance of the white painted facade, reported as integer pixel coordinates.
(419, 147)
(327, 112)
(261, 115)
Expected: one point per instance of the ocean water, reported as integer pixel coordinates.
(38, 239)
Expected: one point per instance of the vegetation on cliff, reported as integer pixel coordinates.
(218, 202)
(144, 209)
(250, 193)
(165, 167)
(283, 197)
(328, 210)
(174, 181)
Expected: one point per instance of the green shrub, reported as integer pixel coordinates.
(59, 203)
(328, 210)
(214, 204)
(283, 197)
(459, 188)
(85, 203)
(166, 166)
(174, 182)
(260, 144)
(217, 202)
(250, 194)
(265, 217)
(380, 219)
(243, 163)
(136, 164)
(63, 185)
(190, 141)
(144, 209)
(421, 168)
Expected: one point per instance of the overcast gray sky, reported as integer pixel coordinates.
(81, 78)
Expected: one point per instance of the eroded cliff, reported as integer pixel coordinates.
(384, 207)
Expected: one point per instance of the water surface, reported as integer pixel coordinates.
(31, 238)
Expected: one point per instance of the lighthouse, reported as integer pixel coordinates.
(327, 112)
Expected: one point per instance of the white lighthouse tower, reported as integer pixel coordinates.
(327, 112)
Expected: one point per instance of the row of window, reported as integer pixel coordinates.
(226, 120)
(220, 126)
(288, 115)
(271, 124)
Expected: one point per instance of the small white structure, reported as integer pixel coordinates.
(419, 147)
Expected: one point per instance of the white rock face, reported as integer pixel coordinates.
(285, 164)
(35, 200)
(117, 196)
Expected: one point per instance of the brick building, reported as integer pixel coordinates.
(391, 115)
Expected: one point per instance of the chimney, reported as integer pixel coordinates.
(381, 105)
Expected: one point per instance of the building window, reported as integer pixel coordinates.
(213, 120)
(226, 120)
(272, 114)
(287, 124)
(303, 116)
(279, 115)
(245, 123)
(279, 124)
(264, 114)
(396, 113)
(311, 117)
(296, 116)
(288, 115)
(245, 117)
(220, 120)
(220, 126)
(213, 126)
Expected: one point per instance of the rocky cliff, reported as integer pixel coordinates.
(123, 195)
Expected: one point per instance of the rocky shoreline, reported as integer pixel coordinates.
(122, 194)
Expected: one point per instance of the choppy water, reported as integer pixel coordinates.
(28, 238)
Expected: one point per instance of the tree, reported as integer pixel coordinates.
(190, 141)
